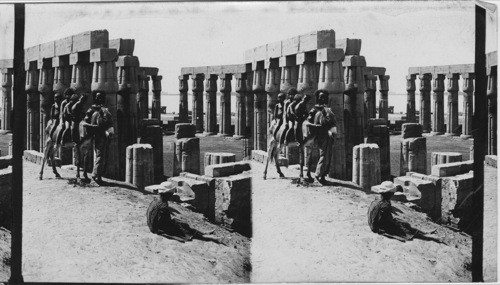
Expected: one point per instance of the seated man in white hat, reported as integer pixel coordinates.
(161, 222)
(381, 221)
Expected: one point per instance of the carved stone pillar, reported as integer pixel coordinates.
(410, 99)
(383, 105)
(353, 106)
(225, 104)
(468, 89)
(272, 86)
(156, 106)
(210, 105)
(6, 107)
(370, 90)
(62, 81)
(81, 75)
(249, 106)
(260, 110)
(491, 93)
(45, 83)
(33, 107)
(307, 81)
(104, 79)
(240, 126)
(438, 102)
(197, 113)
(143, 97)
(331, 78)
(452, 104)
(425, 102)
(183, 98)
(289, 79)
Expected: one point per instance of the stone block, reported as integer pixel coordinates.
(354, 60)
(329, 54)
(451, 169)
(5, 161)
(372, 70)
(260, 53)
(79, 57)
(248, 58)
(48, 50)
(103, 54)
(150, 71)
(215, 69)
(316, 40)
(366, 166)
(204, 194)
(60, 61)
(139, 166)
(219, 157)
(226, 169)
(274, 50)
(413, 155)
(445, 157)
(127, 60)
(490, 160)
(90, 40)
(428, 193)
(187, 155)
(287, 61)
(290, 46)
(32, 53)
(350, 46)
(37, 158)
(6, 63)
(411, 130)
(185, 130)
(200, 70)
(454, 190)
(261, 156)
(64, 46)
(123, 46)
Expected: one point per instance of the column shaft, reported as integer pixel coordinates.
(272, 88)
(438, 102)
(468, 89)
(62, 81)
(45, 83)
(260, 110)
(183, 98)
(240, 126)
(383, 106)
(6, 107)
(307, 81)
(369, 99)
(225, 104)
(33, 108)
(143, 97)
(197, 113)
(156, 106)
(211, 105)
(452, 126)
(410, 99)
(249, 106)
(492, 110)
(425, 102)
(289, 79)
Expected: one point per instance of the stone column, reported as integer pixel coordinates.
(197, 113)
(81, 75)
(289, 79)
(225, 104)
(410, 99)
(425, 102)
(383, 105)
(331, 78)
(468, 90)
(126, 106)
(33, 107)
(438, 102)
(452, 104)
(366, 166)
(156, 106)
(353, 106)
(259, 95)
(45, 83)
(370, 89)
(211, 105)
(491, 93)
(104, 79)
(272, 86)
(240, 88)
(143, 97)
(62, 81)
(183, 98)
(6, 109)
(307, 81)
(249, 106)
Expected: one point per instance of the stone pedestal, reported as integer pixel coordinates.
(143, 97)
(452, 126)
(225, 104)
(156, 104)
(139, 166)
(197, 117)
(413, 155)
(240, 126)
(210, 105)
(45, 84)
(468, 91)
(410, 99)
(33, 108)
(425, 102)
(153, 135)
(366, 166)
(187, 156)
(383, 109)
(438, 102)
(183, 98)
(445, 157)
(260, 111)
(378, 133)
(331, 78)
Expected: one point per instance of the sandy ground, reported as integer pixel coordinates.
(320, 233)
(99, 234)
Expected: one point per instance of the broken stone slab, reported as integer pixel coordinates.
(123, 46)
(90, 40)
(350, 46)
(445, 157)
(411, 130)
(454, 189)
(451, 169)
(185, 130)
(430, 195)
(219, 157)
(139, 167)
(203, 193)
(226, 169)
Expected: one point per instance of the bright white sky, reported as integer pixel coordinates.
(395, 35)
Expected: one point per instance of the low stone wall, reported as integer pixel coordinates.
(37, 157)
(451, 169)
(261, 156)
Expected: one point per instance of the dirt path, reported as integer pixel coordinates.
(99, 234)
(319, 234)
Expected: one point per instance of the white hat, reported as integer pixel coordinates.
(167, 188)
(385, 187)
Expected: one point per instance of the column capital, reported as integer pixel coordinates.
(452, 81)
(103, 54)
(384, 82)
(411, 77)
(183, 83)
(258, 84)
(44, 63)
(240, 82)
(156, 79)
(370, 82)
(79, 57)
(225, 82)
(197, 84)
(127, 60)
(438, 83)
(330, 54)
(305, 57)
(410, 82)
(272, 80)
(143, 82)
(211, 83)
(60, 61)
(271, 63)
(7, 77)
(286, 61)
(468, 75)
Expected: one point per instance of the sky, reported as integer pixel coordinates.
(395, 35)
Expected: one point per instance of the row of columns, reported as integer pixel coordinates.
(436, 84)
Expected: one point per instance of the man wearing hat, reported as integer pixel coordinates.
(161, 222)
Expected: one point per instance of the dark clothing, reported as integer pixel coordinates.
(100, 122)
(160, 222)
(323, 119)
(379, 215)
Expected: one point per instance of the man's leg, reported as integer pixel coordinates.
(98, 160)
(323, 160)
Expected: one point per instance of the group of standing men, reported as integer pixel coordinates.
(70, 123)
